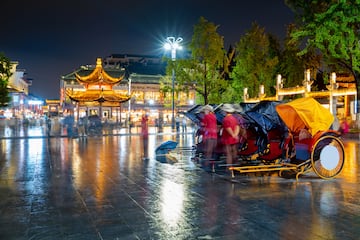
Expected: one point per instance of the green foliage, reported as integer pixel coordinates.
(5, 74)
(292, 66)
(204, 70)
(334, 29)
(207, 63)
(256, 64)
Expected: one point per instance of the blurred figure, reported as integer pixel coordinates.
(145, 135)
(177, 123)
(344, 126)
(209, 125)
(25, 124)
(54, 126)
(69, 122)
(94, 126)
(82, 123)
(230, 134)
(2, 123)
(131, 124)
(184, 125)
(48, 124)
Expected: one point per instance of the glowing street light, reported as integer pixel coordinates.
(173, 44)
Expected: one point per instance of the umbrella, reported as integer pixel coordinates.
(163, 149)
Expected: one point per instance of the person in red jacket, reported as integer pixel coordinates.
(230, 134)
(209, 128)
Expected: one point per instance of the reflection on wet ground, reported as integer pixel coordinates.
(100, 188)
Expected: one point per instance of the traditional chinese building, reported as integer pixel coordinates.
(92, 91)
(136, 77)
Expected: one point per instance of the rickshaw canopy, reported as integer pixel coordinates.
(305, 113)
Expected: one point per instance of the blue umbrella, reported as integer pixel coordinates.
(165, 147)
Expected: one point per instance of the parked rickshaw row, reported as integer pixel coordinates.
(291, 138)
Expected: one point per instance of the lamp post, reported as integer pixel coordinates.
(173, 44)
(129, 103)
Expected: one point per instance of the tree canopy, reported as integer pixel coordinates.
(5, 74)
(292, 66)
(204, 70)
(255, 63)
(332, 27)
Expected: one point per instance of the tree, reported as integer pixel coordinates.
(5, 74)
(333, 27)
(205, 70)
(292, 66)
(255, 63)
(207, 48)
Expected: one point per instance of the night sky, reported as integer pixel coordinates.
(52, 38)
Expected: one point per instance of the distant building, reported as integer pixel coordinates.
(21, 104)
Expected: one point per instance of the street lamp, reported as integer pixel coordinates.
(173, 44)
(129, 105)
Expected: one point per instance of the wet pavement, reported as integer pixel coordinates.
(100, 188)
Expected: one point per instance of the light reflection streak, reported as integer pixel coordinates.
(350, 169)
(172, 202)
(35, 131)
(76, 166)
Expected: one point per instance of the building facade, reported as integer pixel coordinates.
(142, 77)
(21, 105)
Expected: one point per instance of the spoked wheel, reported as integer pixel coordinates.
(327, 157)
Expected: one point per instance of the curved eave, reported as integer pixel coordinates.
(97, 96)
(111, 80)
(98, 75)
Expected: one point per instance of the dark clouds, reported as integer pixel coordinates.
(52, 38)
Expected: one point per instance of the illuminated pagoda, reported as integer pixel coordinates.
(95, 87)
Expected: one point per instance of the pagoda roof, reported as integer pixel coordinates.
(97, 95)
(91, 74)
(98, 75)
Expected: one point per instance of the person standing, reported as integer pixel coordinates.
(82, 126)
(177, 123)
(209, 128)
(184, 124)
(230, 134)
(145, 135)
(69, 122)
(48, 124)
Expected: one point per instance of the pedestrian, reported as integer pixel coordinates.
(69, 122)
(177, 123)
(82, 126)
(344, 126)
(55, 126)
(184, 124)
(48, 124)
(145, 135)
(230, 134)
(209, 130)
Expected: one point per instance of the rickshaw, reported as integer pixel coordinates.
(262, 140)
(309, 143)
(291, 138)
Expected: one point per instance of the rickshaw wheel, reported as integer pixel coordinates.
(327, 156)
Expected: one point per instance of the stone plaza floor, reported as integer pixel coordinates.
(100, 188)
